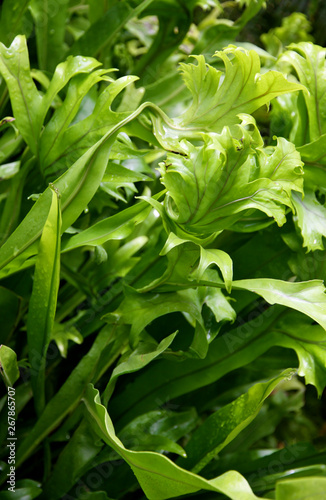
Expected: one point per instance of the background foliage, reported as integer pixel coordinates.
(162, 224)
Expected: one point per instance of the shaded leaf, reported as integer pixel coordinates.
(158, 476)
(224, 425)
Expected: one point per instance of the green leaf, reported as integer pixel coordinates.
(207, 257)
(301, 488)
(311, 219)
(50, 31)
(308, 60)
(29, 105)
(159, 430)
(139, 310)
(309, 344)
(210, 256)
(217, 101)
(210, 187)
(158, 476)
(77, 186)
(167, 380)
(26, 489)
(225, 424)
(307, 297)
(118, 227)
(136, 360)
(8, 365)
(62, 333)
(12, 15)
(26, 100)
(43, 300)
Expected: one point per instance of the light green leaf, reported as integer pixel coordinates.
(77, 186)
(43, 300)
(307, 297)
(8, 365)
(8, 170)
(218, 101)
(26, 100)
(210, 256)
(158, 476)
(308, 60)
(210, 187)
(301, 488)
(311, 219)
(224, 425)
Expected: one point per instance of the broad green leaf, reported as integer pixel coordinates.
(225, 424)
(210, 187)
(158, 476)
(104, 30)
(307, 297)
(311, 219)
(135, 360)
(167, 379)
(308, 60)
(50, 31)
(217, 101)
(301, 488)
(43, 300)
(8, 365)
